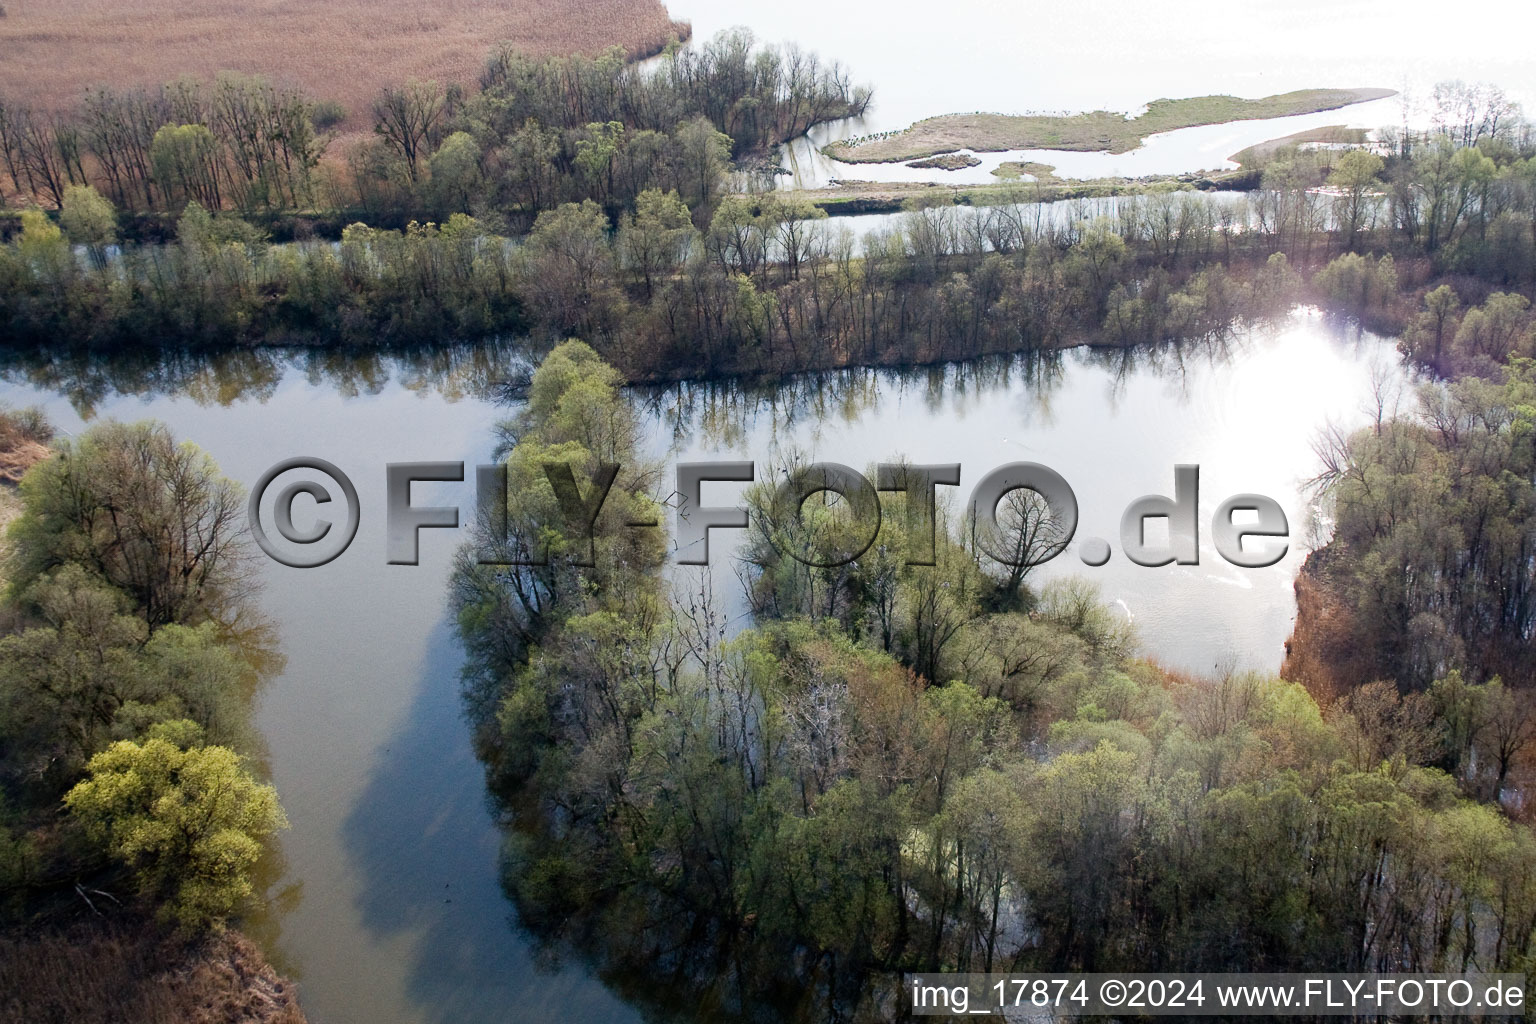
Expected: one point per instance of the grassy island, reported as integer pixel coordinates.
(947, 162)
(1092, 132)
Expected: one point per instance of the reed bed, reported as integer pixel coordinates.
(339, 50)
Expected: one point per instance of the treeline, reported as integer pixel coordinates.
(537, 133)
(936, 766)
(1430, 571)
(1431, 566)
(1459, 190)
(762, 283)
(128, 659)
(765, 288)
(238, 141)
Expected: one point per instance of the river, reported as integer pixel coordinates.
(387, 905)
(1011, 58)
(965, 55)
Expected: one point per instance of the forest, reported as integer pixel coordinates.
(1436, 245)
(587, 197)
(904, 762)
(130, 786)
(950, 765)
(537, 132)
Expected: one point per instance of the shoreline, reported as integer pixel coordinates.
(107, 969)
(1090, 132)
(853, 198)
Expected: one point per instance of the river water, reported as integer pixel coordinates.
(1000, 55)
(1013, 58)
(1206, 148)
(387, 906)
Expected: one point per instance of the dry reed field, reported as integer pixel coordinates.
(106, 971)
(343, 50)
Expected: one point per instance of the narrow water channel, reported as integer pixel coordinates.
(388, 902)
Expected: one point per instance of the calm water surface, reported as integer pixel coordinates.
(389, 906)
(1013, 58)
(1001, 55)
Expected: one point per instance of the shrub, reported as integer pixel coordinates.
(189, 820)
(1358, 283)
(327, 114)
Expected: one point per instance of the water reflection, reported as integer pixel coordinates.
(494, 372)
(90, 379)
(722, 413)
(1244, 406)
(369, 752)
(420, 842)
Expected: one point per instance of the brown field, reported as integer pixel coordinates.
(343, 50)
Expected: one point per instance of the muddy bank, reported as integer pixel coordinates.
(100, 970)
(1323, 653)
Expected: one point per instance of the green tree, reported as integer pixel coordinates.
(657, 237)
(89, 673)
(89, 220)
(524, 576)
(456, 175)
(1355, 176)
(64, 682)
(189, 820)
(700, 156)
(1429, 332)
(150, 516)
(186, 160)
(570, 271)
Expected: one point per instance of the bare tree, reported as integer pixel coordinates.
(1509, 720)
(1027, 535)
(408, 117)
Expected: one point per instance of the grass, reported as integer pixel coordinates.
(338, 50)
(946, 162)
(849, 198)
(1335, 134)
(105, 971)
(1096, 131)
(1012, 170)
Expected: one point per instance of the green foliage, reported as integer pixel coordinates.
(89, 220)
(185, 161)
(657, 238)
(544, 569)
(1356, 283)
(189, 820)
(147, 515)
(126, 674)
(1433, 512)
(893, 770)
(327, 114)
(456, 174)
(569, 281)
(1356, 178)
